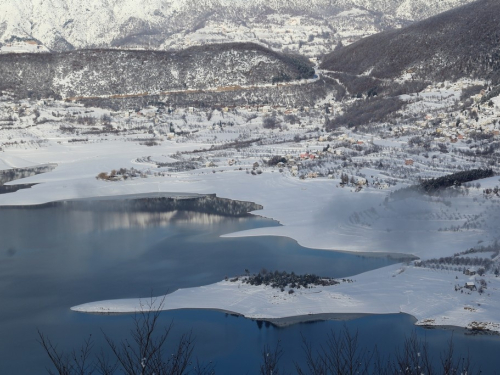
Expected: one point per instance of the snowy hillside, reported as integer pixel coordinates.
(161, 24)
(462, 42)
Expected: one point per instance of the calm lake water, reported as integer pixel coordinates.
(53, 258)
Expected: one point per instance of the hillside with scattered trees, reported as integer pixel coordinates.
(463, 42)
(124, 73)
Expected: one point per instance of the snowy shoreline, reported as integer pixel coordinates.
(317, 213)
(418, 292)
(298, 319)
(430, 295)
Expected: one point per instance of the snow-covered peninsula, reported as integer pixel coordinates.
(432, 297)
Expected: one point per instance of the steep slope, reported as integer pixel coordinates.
(463, 42)
(91, 73)
(66, 24)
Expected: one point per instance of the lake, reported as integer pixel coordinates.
(57, 256)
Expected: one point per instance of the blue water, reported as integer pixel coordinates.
(55, 258)
(236, 343)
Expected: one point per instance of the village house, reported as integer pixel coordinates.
(470, 285)
(361, 181)
(470, 271)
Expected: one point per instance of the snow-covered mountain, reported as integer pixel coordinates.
(462, 42)
(309, 26)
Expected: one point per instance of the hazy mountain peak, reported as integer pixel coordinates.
(60, 24)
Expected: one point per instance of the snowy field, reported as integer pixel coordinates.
(315, 212)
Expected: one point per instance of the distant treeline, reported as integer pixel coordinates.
(208, 204)
(434, 185)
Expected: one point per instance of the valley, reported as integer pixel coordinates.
(360, 138)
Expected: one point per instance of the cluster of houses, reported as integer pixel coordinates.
(451, 131)
(470, 271)
(23, 46)
(458, 130)
(11, 111)
(341, 138)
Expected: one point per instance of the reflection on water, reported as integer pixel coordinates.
(163, 219)
(57, 256)
(101, 214)
(92, 221)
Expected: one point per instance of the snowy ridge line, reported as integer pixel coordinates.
(78, 24)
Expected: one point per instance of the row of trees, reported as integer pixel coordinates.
(433, 186)
(454, 179)
(148, 351)
(457, 261)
